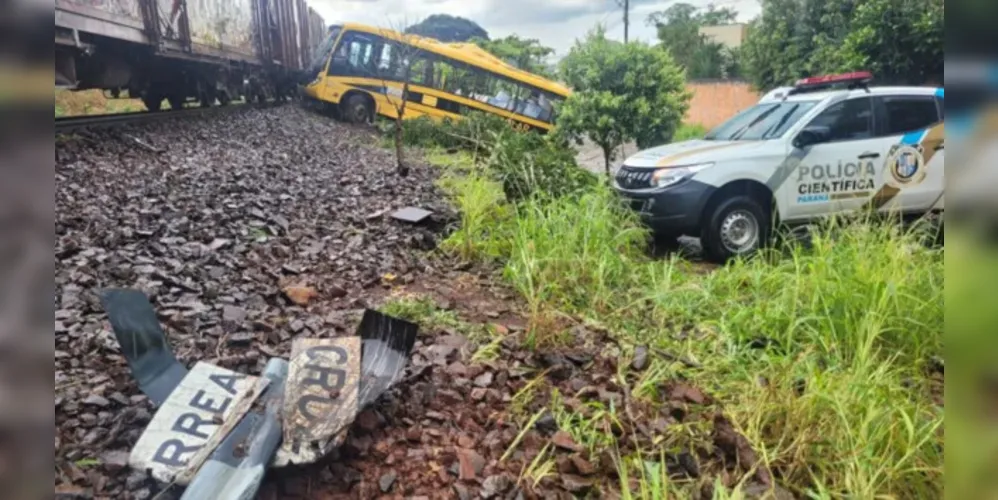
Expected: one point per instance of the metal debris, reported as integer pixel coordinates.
(209, 412)
(189, 420)
(237, 467)
(411, 214)
(143, 343)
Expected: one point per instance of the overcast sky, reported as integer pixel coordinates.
(556, 23)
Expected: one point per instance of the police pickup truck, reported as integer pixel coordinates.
(827, 145)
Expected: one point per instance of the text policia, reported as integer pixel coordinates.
(825, 182)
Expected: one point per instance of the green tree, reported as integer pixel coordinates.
(678, 30)
(901, 41)
(525, 53)
(621, 92)
(447, 28)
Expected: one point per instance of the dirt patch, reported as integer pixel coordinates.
(93, 102)
(521, 424)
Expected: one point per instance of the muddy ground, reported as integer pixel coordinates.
(213, 217)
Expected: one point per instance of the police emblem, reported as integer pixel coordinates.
(905, 165)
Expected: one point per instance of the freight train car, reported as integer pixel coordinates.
(182, 50)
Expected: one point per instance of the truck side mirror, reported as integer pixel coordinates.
(811, 135)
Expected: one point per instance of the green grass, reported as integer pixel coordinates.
(841, 407)
(425, 312)
(87, 462)
(89, 102)
(422, 310)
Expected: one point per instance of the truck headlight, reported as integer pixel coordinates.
(665, 177)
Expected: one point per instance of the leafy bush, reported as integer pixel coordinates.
(424, 132)
(530, 164)
(525, 163)
(471, 133)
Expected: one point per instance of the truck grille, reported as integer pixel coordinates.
(634, 178)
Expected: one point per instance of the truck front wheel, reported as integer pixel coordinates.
(737, 226)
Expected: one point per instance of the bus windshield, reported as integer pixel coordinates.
(321, 54)
(761, 122)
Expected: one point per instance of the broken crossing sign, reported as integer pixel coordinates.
(213, 412)
(188, 419)
(321, 397)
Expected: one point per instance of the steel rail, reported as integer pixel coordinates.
(67, 123)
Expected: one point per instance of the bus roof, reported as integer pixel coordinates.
(467, 52)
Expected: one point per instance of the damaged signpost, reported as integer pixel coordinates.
(324, 379)
(331, 380)
(216, 431)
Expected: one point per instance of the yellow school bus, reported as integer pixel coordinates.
(359, 72)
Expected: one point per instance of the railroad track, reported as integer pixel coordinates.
(65, 124)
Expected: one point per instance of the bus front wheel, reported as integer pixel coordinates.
(358, 109)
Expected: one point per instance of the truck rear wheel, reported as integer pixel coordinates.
(738, 226)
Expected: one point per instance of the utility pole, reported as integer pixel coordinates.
(627, 7)
(626, 4)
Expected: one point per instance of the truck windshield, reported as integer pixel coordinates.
(760, 122)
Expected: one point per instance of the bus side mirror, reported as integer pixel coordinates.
(811, 135)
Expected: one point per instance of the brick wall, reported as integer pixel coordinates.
(716, 101)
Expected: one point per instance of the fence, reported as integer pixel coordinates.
(714, 101)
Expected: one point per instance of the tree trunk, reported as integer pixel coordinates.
(606, 162)
(400, 165)
(399, 161)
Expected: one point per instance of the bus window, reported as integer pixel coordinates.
(546, 103)
(339, 63)
(532, 106)
(385, 58)
(421, 71)
(354, 56)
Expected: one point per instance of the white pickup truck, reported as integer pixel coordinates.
(802, 152)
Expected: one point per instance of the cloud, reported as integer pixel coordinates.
(556, 23)
(514, 12)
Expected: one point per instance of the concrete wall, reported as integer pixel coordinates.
(730, 35)
(713, 102)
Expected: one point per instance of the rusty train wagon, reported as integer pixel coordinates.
(182, 50)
